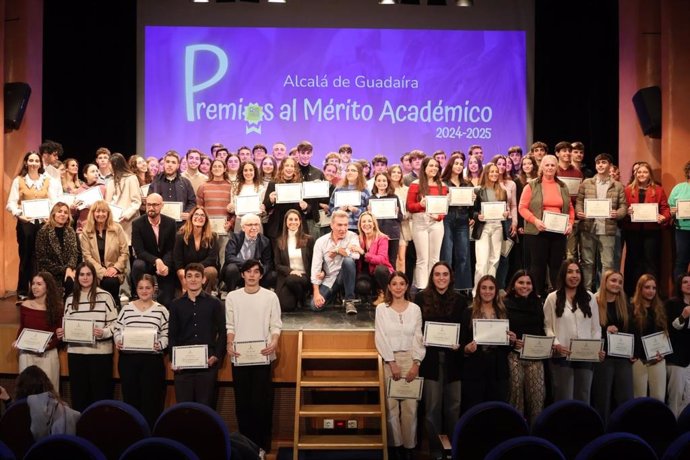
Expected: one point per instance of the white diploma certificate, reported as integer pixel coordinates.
(116, 212)
(384, 208)
(324, 218)
(34, 340)
(585, 350)
(144, 189)
(67, 198)
(347, 198)
(461, 196)
(402, 389)
(506, 247)
(445, 335)
(644, 212)
(656, 343)
(247, 204)
(218, 225)
(190, 357)
(78, 330)
(250, 353)
(573, 184)
(490, 331)
(683, 209)
(620, 345)
(493, 210)
(555, 222)
(172, 209)
(315, 189)
(536, 347)
(89, 197)
(596, 208)
(436, 204)
(288, 193)
(139, 338)
(36, 209)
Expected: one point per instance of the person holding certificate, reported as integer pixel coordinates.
(642, 236)
(353, 181)
(544, 247)
(678, 363)
(57, 251)
(395, 175)
(250, 184)
(42, 311)
(485, 375)
(373, 267)
(292, 260)
(140, 363)
(649, 317)
(253, 323)
(173, 187)
(679, 201)
(505, 180)
(195, 242)
(519, 257)
(90, 354)
(288, 173)
(613, 376)
(399, 341)
(214, 196)
(427, 229)
(383, 189)
(123, 191)
(570, 312)
(30, 184)
(80, 210)
(526, 315)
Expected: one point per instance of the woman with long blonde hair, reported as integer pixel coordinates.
(373, 266)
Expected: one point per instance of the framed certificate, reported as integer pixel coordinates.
(172, 209)
(644, 212)
(402, 389)
(506, 247)
(315, 189)
(347, 198)
(139, 338)
(437, 204)
(555, 222)
(461, 196)
(78, 331)
(116, 212)
(536, 347)
(67, 198)
(384, 208)
(324, 218)
(190, 357)
(89, 197)
(490, 331)
(34, 340)
(247, 204)
(250, 353)
(585, 350)
(620, 345)
(218, 225)
(596, 208)
(683, 209)
(288, 193)
(656, 343)
(493, 210)
(144, 189)
(573, 184)
(36, 209)
(445, 335)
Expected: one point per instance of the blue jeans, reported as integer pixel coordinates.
(345, 281)
(455, 248)
(682, 253)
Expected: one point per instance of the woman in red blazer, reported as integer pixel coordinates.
(373, 267)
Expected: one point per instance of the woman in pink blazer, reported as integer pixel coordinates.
(373, 267)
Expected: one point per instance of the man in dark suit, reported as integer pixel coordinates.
(153, 240)
(245, 245)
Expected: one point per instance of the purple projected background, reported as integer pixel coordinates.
(382, 91)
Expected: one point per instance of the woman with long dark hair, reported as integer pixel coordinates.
(293, 262)
(678, 362)
(123, 191)
(80, 210)
(288, 173)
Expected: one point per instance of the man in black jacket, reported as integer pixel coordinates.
(245, 245)
(305, 150)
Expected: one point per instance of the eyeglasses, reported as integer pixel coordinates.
(154, 205)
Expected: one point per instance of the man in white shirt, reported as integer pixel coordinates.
(50, 152)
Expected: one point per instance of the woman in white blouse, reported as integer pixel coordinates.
(571, 312)
(399, 342)
(293, 257)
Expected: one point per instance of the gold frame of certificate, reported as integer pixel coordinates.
(438, 334)
(144, 189)
(485, 331)
(657, 342)
(139, 339)
(506, 247)
(315, 189)
(75, 330)
(218, 225)
(34, 340)
(493, 210)
(247, 204)
(89, 197)
(596, 207)
(622, 345)
(683, 209)
(384, 208)
(347, 198)
(573, 184)
(555, 222)
(644, 212)
(461, 196)
(116, 212)
(189, 357)
(536, 347)
(436, 204)
(288, 193)
(172, 209)
(584, 350)
(67, 198)
(36, 209)
(402, 389)
(250, 353)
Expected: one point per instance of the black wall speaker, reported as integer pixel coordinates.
(647, 102)
(16, 99)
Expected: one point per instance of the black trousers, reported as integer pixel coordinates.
(254, 403)
(142, 376)
(112, 285)
(90, 378)
(26, 240)
(166, 284)
(294, 290)
(642, 252)
(367, 284)
(197, 385)
(547, 249)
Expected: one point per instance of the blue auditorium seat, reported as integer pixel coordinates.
(570, 425)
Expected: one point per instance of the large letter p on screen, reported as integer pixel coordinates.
(189, 87)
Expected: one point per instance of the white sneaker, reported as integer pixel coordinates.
(350, 308)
